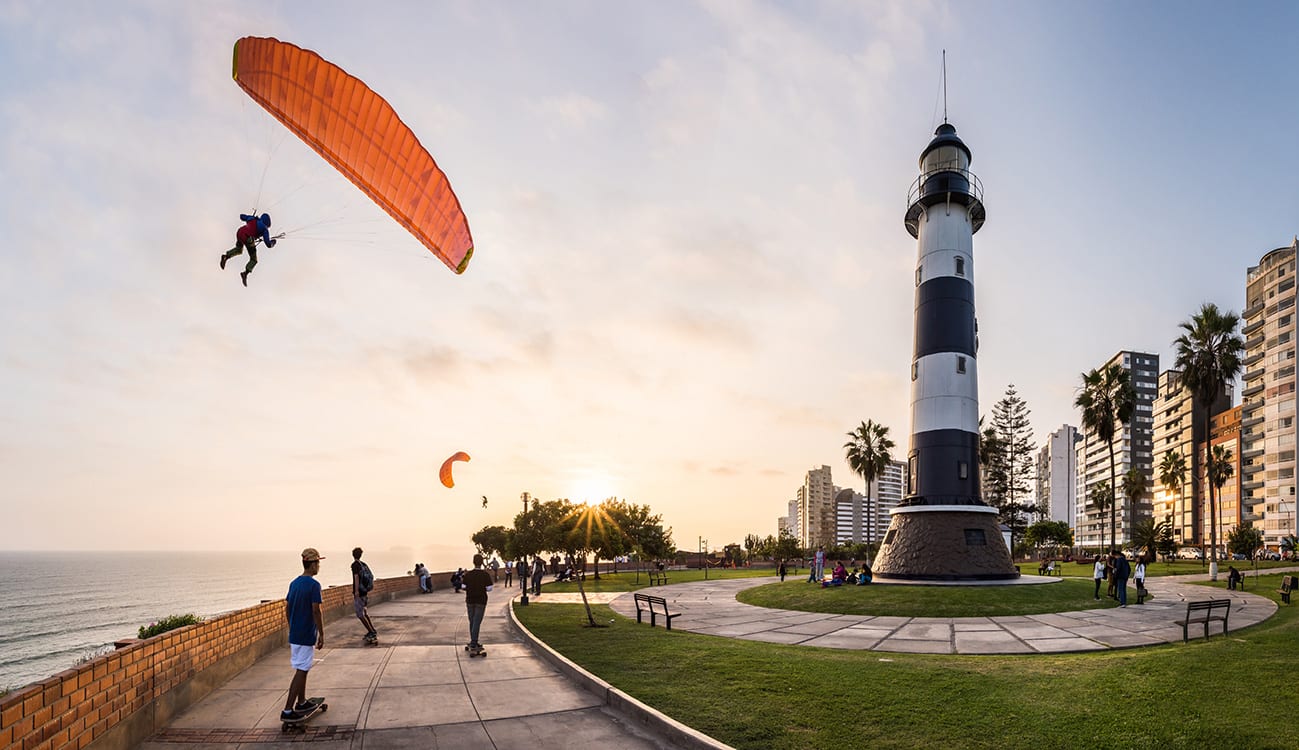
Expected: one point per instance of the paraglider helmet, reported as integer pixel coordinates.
(266, 219)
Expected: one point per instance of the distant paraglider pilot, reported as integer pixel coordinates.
(255, 228)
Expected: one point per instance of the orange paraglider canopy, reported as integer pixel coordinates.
(445, 472)
(359, 133)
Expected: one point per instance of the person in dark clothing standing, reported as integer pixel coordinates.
(477, 583)
(362, 582)
(782, 571)
(1122, 569)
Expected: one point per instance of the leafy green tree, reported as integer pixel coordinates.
(1166, 545)
(787, 547)
(1049, 534)
(491, 540)
(1244, 540)
(1209, 356)
(1107, 400)
(869, 451)
(1135, 483)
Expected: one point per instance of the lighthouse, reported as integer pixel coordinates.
(942, 530)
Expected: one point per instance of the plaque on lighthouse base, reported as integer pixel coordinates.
(944, 543)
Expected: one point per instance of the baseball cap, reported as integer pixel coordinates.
(310, 554)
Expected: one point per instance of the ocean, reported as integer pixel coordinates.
(62, 607)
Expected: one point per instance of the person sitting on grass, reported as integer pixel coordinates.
(864, 576)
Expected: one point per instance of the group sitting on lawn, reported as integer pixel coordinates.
(840, 575)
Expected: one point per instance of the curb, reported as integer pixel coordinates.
(639, 714)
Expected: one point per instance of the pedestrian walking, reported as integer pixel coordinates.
(1139, 577)
(782, 571)
(509, 572)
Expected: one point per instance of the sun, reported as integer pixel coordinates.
(591, 489)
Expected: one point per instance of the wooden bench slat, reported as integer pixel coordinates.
(651, 602)
(1206, 610)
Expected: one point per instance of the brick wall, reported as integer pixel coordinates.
(121, 698)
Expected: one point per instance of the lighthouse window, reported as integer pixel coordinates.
(919, 271)
(960, 266)
(962, 470)
(914, 465)
(960, 365)
(915, 370)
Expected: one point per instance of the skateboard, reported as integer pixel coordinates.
(372, 640)
(479, 651)
(318, 706)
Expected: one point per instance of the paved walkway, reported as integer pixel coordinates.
(710, 607)
(416, 689)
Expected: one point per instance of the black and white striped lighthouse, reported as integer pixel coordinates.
(942, 530)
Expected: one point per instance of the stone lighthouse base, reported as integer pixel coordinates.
(944, 543)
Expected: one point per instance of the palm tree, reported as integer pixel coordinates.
(1107, 398)
(1146, 533)
(1290, 545)
(1218, 471)
(1208, 354)
(869, 452)
(1172, 473)
(1135, 483)
(1100, 498)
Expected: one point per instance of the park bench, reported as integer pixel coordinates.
(1205, 611)
(1287, 585)
(658, 578)
(653, 604)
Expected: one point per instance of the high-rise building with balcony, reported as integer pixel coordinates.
(1179, 427)
(816, 520)
(1267, 439)
(853, 513)
(1057, 475)
(1133, 447)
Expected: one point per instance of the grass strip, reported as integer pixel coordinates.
(1225, 692)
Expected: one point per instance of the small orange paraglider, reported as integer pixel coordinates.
(445, 472)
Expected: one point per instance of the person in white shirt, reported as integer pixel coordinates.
(1098, 574)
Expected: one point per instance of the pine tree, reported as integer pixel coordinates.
(1010, 475)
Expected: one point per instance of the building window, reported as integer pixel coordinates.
(960, 266)
(962, 470)
(960, 365)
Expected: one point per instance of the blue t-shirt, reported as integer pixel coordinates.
(303, 592)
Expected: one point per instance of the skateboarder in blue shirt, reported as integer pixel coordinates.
(306, 632)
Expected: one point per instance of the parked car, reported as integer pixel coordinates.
(1239, 556)
(1190, 553)
(1269, 555)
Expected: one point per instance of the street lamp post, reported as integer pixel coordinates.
(526, 575)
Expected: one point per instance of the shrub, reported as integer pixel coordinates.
(171, 622)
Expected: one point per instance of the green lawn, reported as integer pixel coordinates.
(1068, 595)
(626, 580)
(1232, 692)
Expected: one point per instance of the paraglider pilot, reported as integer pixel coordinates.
(254, 228)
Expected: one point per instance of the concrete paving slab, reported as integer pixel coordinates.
(588, 729)
(231, 708)
(371, 656)
(344, 709)
(905, 646)
(1062, 645)
(775, 636)
(495, 667)
(391, 708)
(330, 676)
(925, 630)
(1031, 630)
(973, 624)
(417, 674)
(525, 697)
(848, 639)
(989, 642)
(817, 627)
(402, 653)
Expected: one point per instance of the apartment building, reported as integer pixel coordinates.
(1057, 475)
(1179, 428)
(853, 514)
(1224, 432)
(1133, 447)
(816, 509)
(1267, 437)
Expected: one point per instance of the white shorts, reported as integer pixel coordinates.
(301, 656)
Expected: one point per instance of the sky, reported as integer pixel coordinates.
(691, 276)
